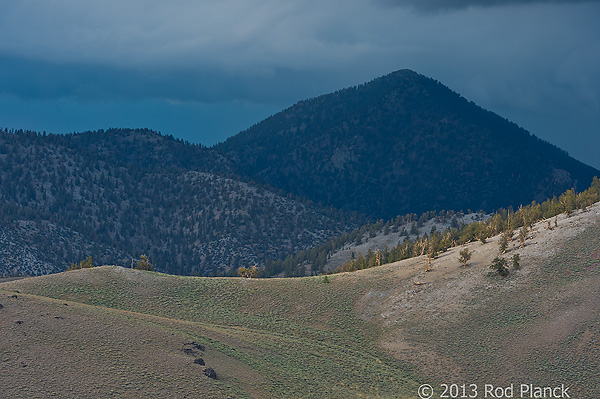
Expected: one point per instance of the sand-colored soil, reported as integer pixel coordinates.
(547, 310)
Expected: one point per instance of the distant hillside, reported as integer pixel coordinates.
(402, 143)
(121, 193)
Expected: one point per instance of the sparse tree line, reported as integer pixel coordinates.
(143, 263)
(316, 257)
(504, 221)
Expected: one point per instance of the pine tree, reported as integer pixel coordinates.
(465, 256)
(502, 244)
(523, 235)
(515, 261)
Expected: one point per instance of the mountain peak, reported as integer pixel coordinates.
(402, 143)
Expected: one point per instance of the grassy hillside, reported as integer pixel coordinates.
(281, 336)
(373, 333)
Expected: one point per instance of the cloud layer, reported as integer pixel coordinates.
(528, 59)
(445, 5)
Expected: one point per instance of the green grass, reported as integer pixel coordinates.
(301, 333)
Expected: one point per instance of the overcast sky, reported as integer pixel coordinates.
(203, 70)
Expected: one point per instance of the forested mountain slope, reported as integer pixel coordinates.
(402, 143)
(118, 194)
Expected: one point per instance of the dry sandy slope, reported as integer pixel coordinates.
(449, 287)
(463, 325)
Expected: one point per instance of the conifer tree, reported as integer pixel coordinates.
(523, 235)
(503, 244)
(515, 261)
(465, 256)
(499, 265)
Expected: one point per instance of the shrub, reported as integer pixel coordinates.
(144, 264)
(499, 265)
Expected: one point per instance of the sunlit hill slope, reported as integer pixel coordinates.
(114, 332)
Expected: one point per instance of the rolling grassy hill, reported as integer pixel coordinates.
(381, 332)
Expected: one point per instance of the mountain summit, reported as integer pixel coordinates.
(402, 143)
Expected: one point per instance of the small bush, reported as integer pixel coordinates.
(515, 261)
(144, 264)
(499, 265)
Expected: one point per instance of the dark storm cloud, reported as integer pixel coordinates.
(442, 5)
(531, 61)
(257, 50)
(30, 79)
